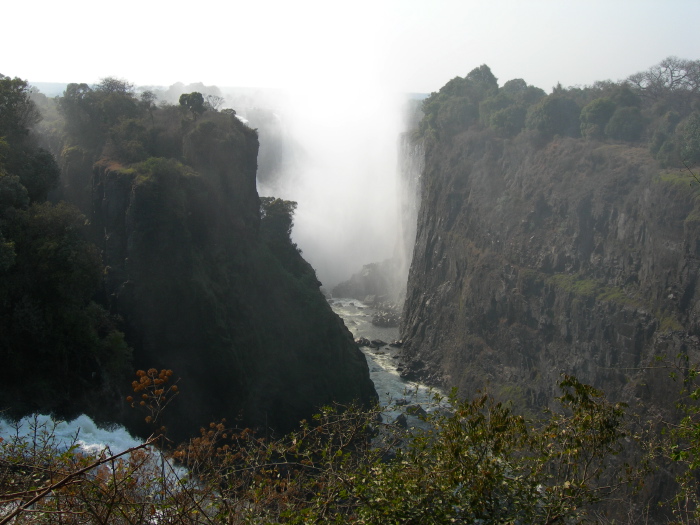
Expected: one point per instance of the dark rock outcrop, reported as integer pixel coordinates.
(374, 283)
(532, 261)
(237, 316)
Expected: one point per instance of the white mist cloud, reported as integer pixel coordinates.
(344, 179)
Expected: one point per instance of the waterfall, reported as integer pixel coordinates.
(410, 166)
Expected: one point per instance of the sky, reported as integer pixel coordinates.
(396, 45)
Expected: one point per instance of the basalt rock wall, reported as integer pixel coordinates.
(201, 290)
(534, 259)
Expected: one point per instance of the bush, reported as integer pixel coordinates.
(626, 124)
(555, 115)
(595, 116)
(470, 462)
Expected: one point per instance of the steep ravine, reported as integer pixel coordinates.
(533, 260)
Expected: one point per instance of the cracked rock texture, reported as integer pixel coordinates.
(535, 260)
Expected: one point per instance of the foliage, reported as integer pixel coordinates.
(17, 111)
(56, 344)
(682, 445)
(35, 167)
(627, 124)
(90, 112)
(522, 93)
(456, 106)
(162, 168)
(276, 218)
(595, 116)
(509, 121)
(654, 106)
(469, 462)
(194, 102)
(555, 115)
(489, 106)
(690, 139)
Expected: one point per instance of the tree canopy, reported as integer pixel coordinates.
(194, 102)
(653, 107)
(55, 342)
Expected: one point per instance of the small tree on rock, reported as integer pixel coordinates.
(194, 102)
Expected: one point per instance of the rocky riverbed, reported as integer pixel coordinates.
(402, 400)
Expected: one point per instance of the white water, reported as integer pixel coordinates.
(383, 362)
(82, 431)
(41, 434)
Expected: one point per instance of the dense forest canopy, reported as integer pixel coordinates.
(658, 108)
(61, 343)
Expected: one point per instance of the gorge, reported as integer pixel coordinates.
(550, 236)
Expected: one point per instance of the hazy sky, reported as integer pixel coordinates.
(401, 45)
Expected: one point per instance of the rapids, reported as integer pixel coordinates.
(383, 362)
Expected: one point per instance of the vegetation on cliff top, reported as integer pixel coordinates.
(658, 108)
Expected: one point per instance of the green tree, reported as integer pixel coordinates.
(490, 105)
(595, 116)
(623, 96)
(19, 156)
(509, 121)
(17, 111)
(555, 115)
(194, 102)
(522, 93)
(690, 139)
(480, 83)
(627, 124)
(56, 345)
(115, 101)
(37, 171)
(91, 112)
(51, 343)
(77, 105)
(277, 219)
(485, 464)
(148, 99)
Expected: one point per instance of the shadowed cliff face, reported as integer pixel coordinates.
(239, 317)
(531, 261)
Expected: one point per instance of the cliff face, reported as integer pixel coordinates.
(238, 317)
(534, 260)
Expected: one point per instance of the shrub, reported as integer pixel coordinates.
(626, 124)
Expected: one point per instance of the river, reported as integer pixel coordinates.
(394, 392)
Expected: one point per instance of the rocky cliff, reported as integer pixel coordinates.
(534, 258)
(206, 290)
